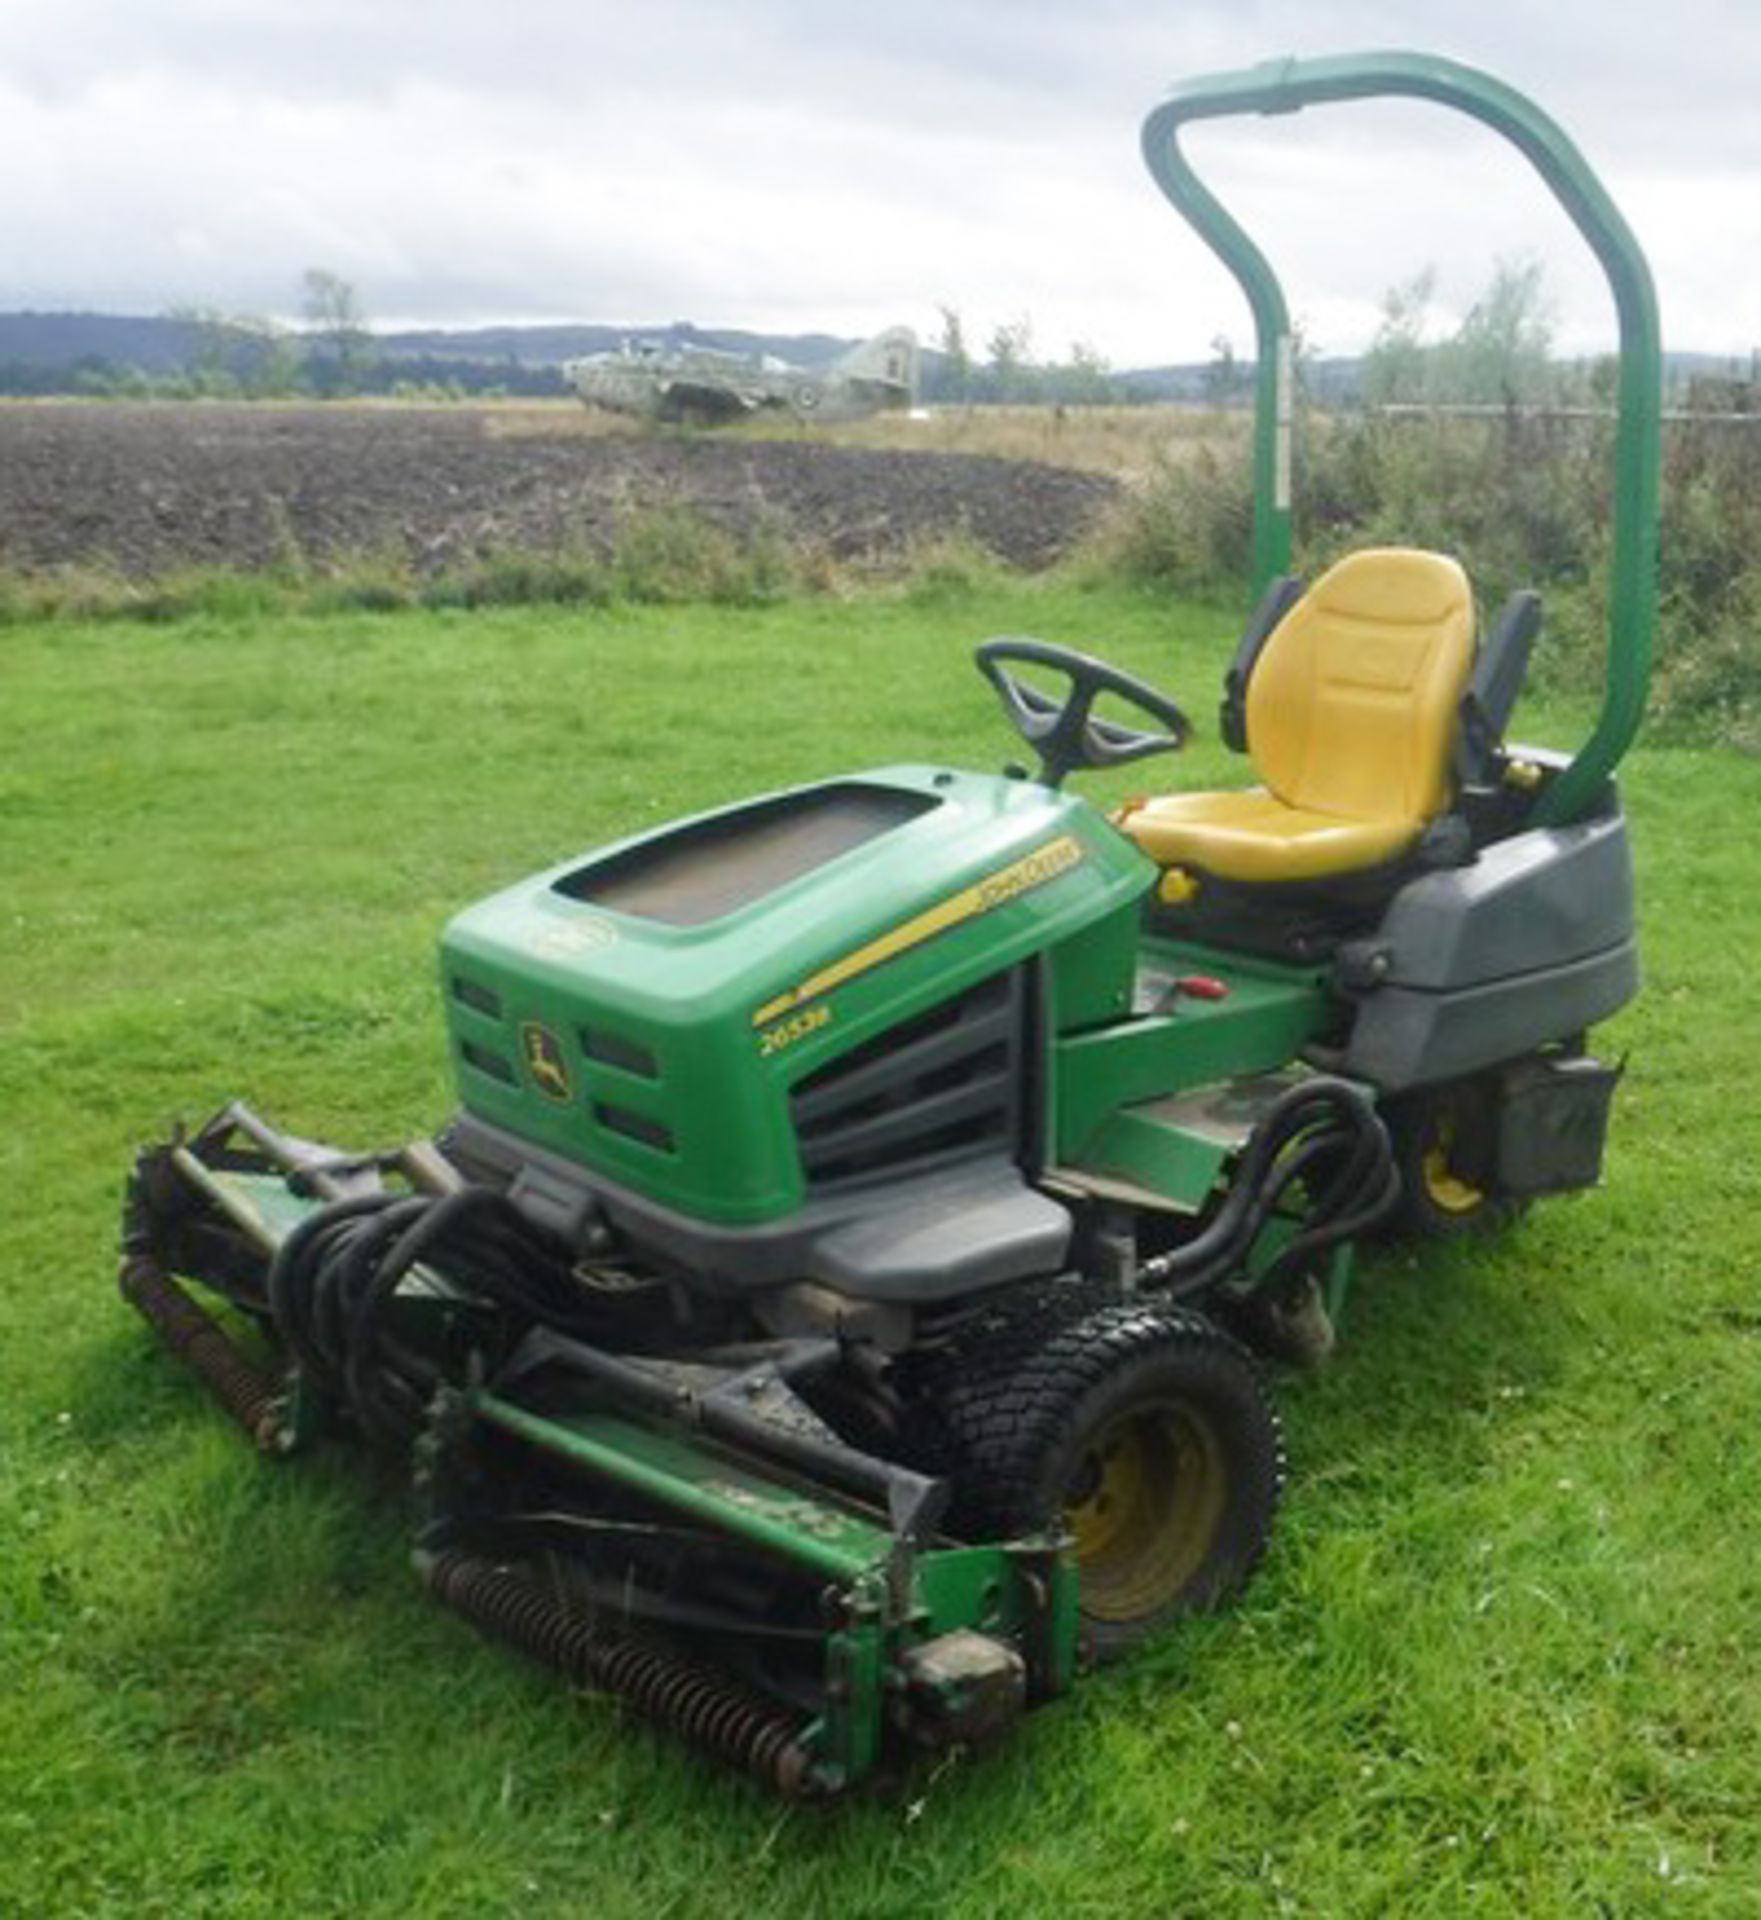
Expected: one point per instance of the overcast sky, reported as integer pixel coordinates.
(815, 165)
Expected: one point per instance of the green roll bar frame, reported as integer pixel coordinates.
(1286, 86)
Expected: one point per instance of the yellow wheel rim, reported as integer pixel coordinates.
(1143, 1508)
(1444, 1187)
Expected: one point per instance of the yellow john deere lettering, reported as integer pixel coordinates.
(994, 890)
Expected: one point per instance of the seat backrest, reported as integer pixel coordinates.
(1352, 706)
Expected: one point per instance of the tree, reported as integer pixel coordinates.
(956, 369)
(1503, 350)
(1087, 378)
(1011, 353)
(1500, 355)
(210, 370)
(1222, 373)
(272, 362)
(1397, 367)
(337, 329)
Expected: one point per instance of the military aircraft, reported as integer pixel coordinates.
(704, 386)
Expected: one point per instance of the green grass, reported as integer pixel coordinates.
(1500, 1659)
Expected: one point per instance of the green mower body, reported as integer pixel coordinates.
(838, 1304)
(762, 1023)
(653, 1012)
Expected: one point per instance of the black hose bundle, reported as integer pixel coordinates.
(1322, 1140)
(333, 1279)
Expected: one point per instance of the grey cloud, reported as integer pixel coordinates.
(784, 163)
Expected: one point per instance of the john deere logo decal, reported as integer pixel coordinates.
(544, 1061)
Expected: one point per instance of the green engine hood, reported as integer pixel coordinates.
(647, 1010)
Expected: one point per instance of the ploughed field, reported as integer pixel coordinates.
(150, 488)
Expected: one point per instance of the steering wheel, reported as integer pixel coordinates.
(1065, 733)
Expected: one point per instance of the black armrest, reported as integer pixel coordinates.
(1497, 678)
(1275, 603)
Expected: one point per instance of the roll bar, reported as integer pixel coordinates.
(1286, 86)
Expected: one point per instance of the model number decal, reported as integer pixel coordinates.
(797, 1027)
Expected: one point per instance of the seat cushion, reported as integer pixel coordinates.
(1254, 836)
(1351, 708)
(1352, 705)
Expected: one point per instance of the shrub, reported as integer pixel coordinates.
(1188, 525)
(674, 554)
(515, 578)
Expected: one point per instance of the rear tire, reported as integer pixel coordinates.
(1444, 1145)
(1147, 1435)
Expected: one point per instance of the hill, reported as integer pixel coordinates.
(51, 353)
(164, 344)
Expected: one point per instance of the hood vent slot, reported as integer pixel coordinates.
(479, 998)
(485, 1060)
(635, 1126)
(617, 1050)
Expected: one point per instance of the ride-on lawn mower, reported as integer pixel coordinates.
(829, 1316)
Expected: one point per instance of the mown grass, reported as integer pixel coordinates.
(1500, 1659)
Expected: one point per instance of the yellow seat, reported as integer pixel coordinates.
(1351, 711)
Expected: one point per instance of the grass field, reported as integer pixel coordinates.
(1501, 1658)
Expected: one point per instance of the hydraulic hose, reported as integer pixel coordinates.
(1321, 1147)
(333, 1280)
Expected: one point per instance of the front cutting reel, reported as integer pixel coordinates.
(681, 1530)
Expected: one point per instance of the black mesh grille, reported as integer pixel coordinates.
(944, 1084)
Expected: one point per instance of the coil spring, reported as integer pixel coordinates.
(686, 1700)
(248, 1394)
